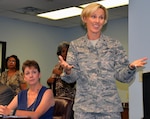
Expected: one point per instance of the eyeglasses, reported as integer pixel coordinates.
(11, 61)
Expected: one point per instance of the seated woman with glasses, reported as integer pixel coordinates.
(12, 77)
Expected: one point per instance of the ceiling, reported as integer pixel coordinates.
(26, 10)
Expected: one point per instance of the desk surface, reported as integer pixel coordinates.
(14, 117)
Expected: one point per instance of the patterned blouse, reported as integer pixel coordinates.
(12, 81)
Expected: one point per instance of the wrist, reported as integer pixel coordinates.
(132, 67)
(68, 71)
(12, 112)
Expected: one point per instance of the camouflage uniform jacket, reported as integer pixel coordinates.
(95, 71)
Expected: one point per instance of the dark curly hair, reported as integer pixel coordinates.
(17, 62)
(62, 45)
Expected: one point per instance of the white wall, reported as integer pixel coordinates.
(32, 41)
(139, 39)
(39, 42)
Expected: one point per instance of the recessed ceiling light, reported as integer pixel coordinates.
(110, 3)
(75, 11)
(63, 13)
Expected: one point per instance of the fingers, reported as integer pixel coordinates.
(139, 63)
(142, 61)
(2, 109)
(63, 63)
(67, 68)
(60, 58)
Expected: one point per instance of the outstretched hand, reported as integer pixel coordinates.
(138, 63)
(67, 68)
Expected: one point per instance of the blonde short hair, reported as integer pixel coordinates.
(87, 11)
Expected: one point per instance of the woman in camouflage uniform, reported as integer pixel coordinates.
(95, 61)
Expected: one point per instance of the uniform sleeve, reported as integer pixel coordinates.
(72, 60)
(123, 72)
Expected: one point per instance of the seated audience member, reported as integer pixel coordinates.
(12, 77)
(60, 87)
(6, 94)
(31, 102)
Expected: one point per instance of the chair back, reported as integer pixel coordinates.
(63, 108)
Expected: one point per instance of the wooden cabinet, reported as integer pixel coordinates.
(125, 113)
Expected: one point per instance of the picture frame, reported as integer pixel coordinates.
(2, 55)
